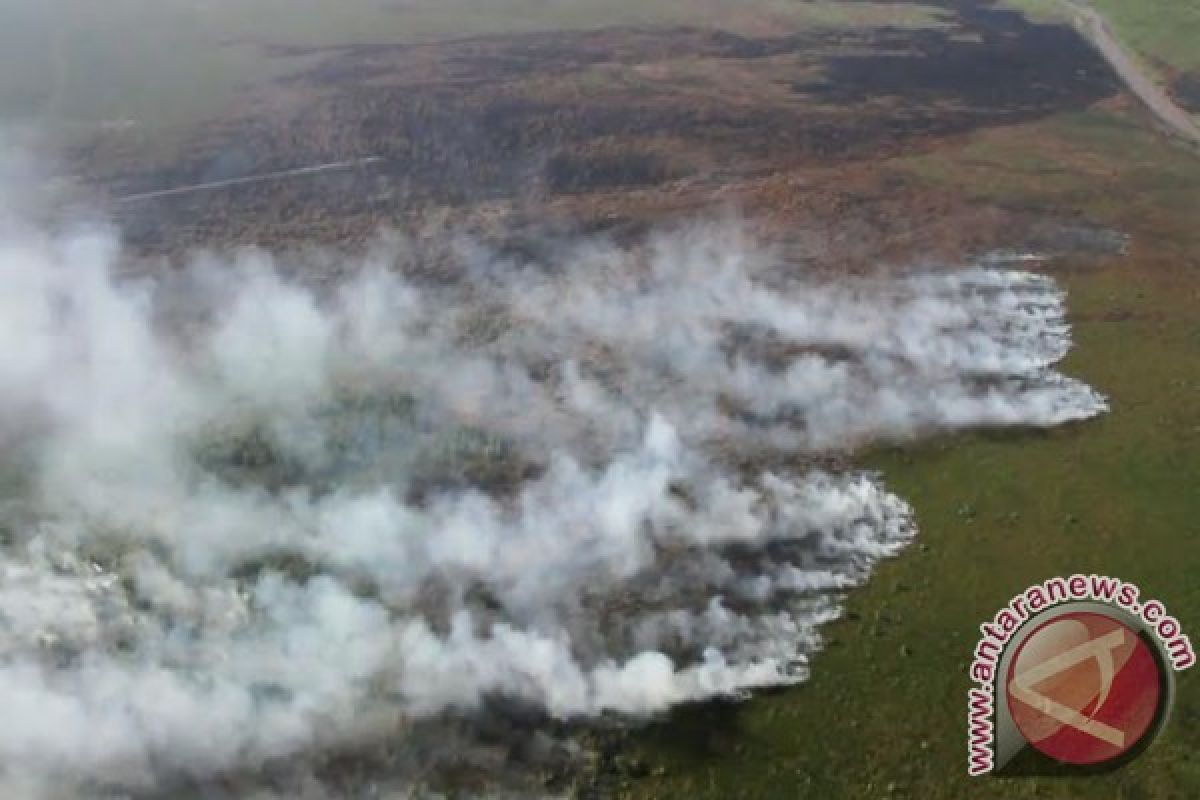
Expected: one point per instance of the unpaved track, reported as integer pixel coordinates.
(1092, 25)
(249, 179)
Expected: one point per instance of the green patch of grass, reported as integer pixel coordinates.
(1167, 30)
(884, 713)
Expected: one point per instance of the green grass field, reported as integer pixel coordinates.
(1167, 30)
(884, 713)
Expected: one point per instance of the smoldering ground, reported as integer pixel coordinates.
(250, 521)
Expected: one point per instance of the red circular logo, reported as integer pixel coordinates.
(1084, 688)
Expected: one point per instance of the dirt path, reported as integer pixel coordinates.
(1092, 25)
(249, 179)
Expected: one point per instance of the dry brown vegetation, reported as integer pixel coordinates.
(615, 129)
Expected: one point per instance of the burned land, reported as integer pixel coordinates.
(1187, 91)
(612, 129)
(832, 144)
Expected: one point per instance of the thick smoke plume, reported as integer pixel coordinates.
(246, 517)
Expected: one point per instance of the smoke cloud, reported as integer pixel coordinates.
(247, 517)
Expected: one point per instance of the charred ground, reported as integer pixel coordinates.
(881, 142)
(605, 128)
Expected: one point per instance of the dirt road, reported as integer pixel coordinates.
(249, 179)
(1092, 25)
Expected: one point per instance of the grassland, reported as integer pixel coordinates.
(1166, 30)
(884, 714)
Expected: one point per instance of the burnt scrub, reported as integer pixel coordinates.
(536, 116)
(1186, 91)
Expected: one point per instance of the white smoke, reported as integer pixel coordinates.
(243, 519)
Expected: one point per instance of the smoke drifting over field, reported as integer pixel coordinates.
(244, 519)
